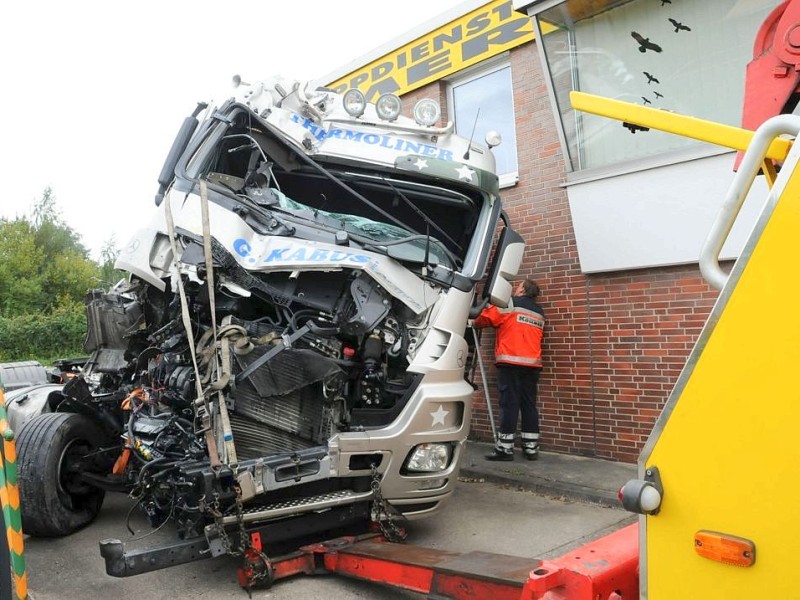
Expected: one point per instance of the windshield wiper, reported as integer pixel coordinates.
(260, 218)
(428, 224)
(428, 221)
(382, 246)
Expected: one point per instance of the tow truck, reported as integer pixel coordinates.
(716, 487)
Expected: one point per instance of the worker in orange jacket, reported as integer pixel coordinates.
(518, 358)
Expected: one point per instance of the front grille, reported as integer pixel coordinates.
(254, 439)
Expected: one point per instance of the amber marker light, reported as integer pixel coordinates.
(725, 548)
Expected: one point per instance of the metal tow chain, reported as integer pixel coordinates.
(244, 539)
(213, 510)
(391, 521)
(256, 569)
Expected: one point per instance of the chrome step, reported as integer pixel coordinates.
(298, 505)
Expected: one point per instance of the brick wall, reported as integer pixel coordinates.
(615, 343)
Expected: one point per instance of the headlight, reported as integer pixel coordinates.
(429, 458)
(388, 107)
(354, 102)
(427, 112)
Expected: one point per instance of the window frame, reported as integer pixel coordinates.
(581, 175)
(487, 67)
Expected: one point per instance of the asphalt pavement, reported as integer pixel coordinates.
(577, 478)
(556, 503)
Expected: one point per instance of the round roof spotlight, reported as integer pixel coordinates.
(493, 138)
(354, 102)
(388, 107)
(427, 112)
(237, 81)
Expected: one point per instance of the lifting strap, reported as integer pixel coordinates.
(203, 409)
(225, 421)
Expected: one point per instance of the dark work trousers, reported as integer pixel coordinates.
(518, 393)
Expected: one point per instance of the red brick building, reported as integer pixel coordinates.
(613, 221)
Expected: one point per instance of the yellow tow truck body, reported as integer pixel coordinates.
(725, 447)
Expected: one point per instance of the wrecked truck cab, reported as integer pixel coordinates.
(289, 353)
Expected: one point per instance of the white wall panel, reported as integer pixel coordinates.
(657, 217)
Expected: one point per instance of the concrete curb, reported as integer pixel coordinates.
(576, 478)
(555, 489)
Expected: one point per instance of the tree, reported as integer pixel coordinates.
(20, 273)
(108, 254)
(43, 264)
(45, 272)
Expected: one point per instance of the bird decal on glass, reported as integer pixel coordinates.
(664, 2)
(650, 78)
(646, 101)
(658, 95)
(644, 43)
(679, 26)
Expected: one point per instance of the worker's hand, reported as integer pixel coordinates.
(476, 310)
(470, 323)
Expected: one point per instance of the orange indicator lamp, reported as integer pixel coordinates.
(725, 548)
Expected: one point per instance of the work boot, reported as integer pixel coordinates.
(500, 455)
(503, 448)
(530, 445)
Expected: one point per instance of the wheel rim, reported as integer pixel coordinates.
(69, 485)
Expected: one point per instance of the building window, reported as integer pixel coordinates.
(484, 101)
(687, 57)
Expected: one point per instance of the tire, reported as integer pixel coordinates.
(53, 501)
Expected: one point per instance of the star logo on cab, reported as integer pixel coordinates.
(465, 173)
(439, 416)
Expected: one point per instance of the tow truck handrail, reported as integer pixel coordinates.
(9, 502)
(749, 168)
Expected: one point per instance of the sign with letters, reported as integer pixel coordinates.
(480, 34)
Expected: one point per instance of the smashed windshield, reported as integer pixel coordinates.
(400, 243)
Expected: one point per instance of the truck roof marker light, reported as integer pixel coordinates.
(493, 138)
(354, 103)
(725, 548)
(427, 111)
(388, 107)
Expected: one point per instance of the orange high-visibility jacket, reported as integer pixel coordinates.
(520, 329)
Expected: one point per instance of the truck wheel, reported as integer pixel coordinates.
(53, 499)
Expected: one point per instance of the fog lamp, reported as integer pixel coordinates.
(354, 102)
(433, 484)
(427, 112)
(429, 458)
(388, 107)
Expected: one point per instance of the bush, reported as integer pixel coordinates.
(43, 337)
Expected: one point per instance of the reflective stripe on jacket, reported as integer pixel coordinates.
(520, 329)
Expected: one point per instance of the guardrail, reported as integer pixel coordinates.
(11, 515)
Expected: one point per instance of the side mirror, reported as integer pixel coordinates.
(179, 144)
(505, 266)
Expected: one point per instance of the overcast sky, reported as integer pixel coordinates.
(93, 92)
